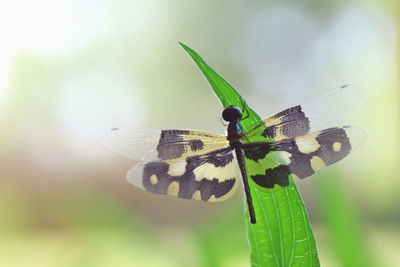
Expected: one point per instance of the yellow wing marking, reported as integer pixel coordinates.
(181, 144)
(308, 143)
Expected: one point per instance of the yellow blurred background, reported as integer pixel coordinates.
(71, 69)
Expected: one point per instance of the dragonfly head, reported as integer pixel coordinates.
(232, 114)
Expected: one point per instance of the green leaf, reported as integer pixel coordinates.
(282, 235)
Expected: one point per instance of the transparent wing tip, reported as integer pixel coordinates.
(115, 140)
(356, 135)
(134, 175)
(105, 139)
(352, 91)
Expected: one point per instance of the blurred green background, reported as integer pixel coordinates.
(71, 69)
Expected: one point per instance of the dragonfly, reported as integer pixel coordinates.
(200, 165)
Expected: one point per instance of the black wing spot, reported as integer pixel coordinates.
(292, 129)
(219, 158)
(256, 152)
(160, 170)
(196, 145)
(293, 123)
(171, 144)
(278, 175)
(299, 162)
(270, 131)
(326, 140)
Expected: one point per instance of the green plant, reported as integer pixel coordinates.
(282, 235)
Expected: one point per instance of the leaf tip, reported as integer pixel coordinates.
(187, 48)
(184, 46)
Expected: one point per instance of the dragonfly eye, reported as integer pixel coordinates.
(232, 114)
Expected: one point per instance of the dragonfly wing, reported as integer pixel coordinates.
(210, 177)
(271, 163)
(304, 155)
(152, 144)
(321, 112)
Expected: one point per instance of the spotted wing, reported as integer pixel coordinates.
(321, 112)
(273, 162)
(151, 144)
(209, 177)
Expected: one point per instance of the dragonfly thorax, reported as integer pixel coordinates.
(233, 115)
